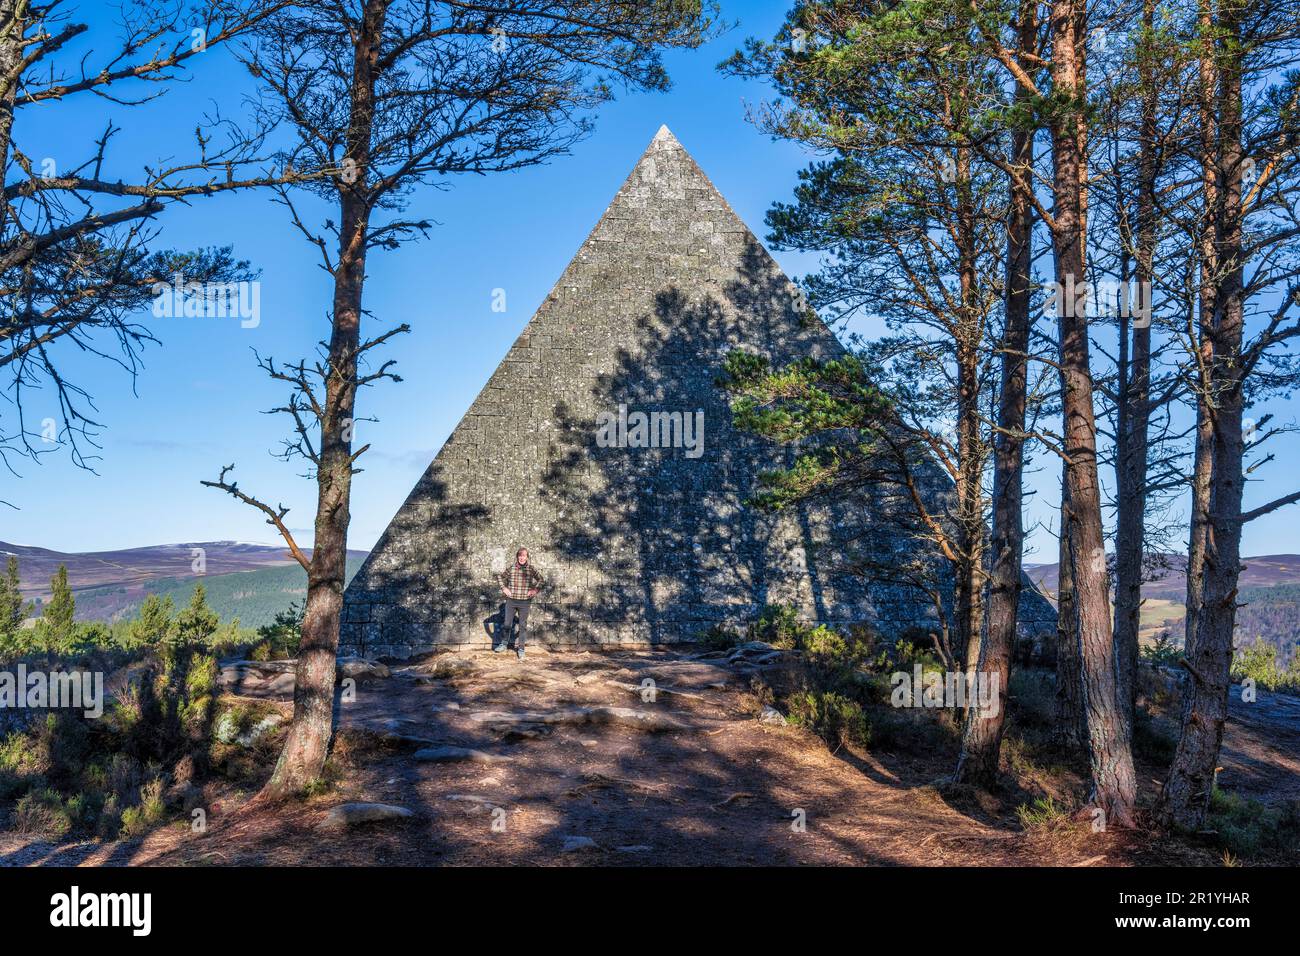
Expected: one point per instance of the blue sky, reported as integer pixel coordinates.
(198, 403)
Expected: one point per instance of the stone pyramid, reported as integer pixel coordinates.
(638, 544)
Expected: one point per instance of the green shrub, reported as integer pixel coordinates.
(280, 639)
(105, 777)
(913, 728)
(41, 812)
(1164, 651)
(838, 682)
(147, 814)
(123, 775)
(779, 626)
(907, 653)
(65, 737)
(84, 810)
(1043, 815)
(1258, 662)
(1247, 828)
(125, 715)
(719, 638)
(200, 688)
(833, 717)
(826, 649)
(23, 764)
(110, 818)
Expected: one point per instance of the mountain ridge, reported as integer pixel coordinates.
(1261, 571)
(134, 567)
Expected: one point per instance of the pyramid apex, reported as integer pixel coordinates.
(665, 135)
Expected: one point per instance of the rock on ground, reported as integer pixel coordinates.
(227, 730)
(350, 814)
(453, 754)
(356, 667)
(572, 716)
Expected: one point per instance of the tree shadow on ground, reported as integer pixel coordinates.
(729, 791)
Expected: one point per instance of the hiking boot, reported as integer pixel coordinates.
(498, 648)
(520, 652)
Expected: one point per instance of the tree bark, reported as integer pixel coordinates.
(970, 467)
(982, 732)
(1190, 786)
(1199, 523)
(1071, 731)
(1131, 454)
(1200, 504)
(303, 758)
(1109, 733)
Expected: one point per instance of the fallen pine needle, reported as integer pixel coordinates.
(735, 796)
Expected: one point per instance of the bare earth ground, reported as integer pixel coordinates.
(692, 777)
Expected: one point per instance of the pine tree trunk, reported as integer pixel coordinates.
(1071, 733)
(970, 513)
(1188, 790)
(303, 758)
(982, 732)
(1200, 518)
(1200, 504)
(1132, 435)
(1109, 733)
(970, 450)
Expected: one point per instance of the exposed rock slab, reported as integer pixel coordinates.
(351, 814)
(228, 731)
(356, 667)
(449, 754)
(646, 720)
(268, 679)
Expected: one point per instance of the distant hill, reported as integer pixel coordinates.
(243, 579)
(255, 597)
(1269, 591)
(1169, 573)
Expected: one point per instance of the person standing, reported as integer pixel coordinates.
(519, 585)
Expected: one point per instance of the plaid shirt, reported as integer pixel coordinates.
(519, 581)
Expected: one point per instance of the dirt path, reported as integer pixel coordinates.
(633, 759)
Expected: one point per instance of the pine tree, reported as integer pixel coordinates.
(902, 212)
(1256, 180)
(197, 622)
(155, 625)
(186, 681)
(12, 607)
(58, 628)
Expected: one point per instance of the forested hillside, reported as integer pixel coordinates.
(250, 581)
(254, 597)
(1269, 599)
(1271, 615)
